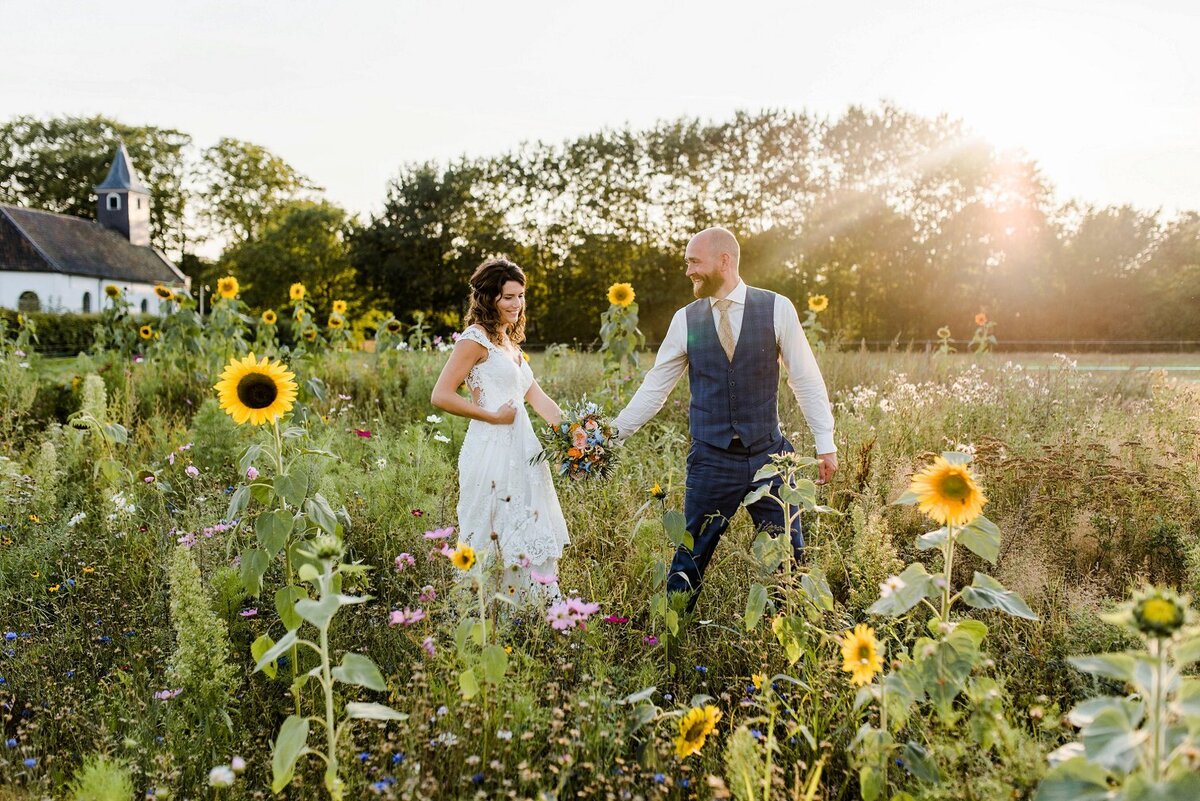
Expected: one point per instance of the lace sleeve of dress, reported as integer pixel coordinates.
(474, 382)
(475, 335)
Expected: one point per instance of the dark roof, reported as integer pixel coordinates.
(40, 241)
(122, 175)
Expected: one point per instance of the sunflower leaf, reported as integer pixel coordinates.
(987, 593)
(932, 540)
(982, 537)
(956, 457)
(909, 498)
(915, 584)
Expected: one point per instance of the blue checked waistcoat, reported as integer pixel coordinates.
(738, 399)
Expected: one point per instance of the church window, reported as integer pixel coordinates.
(87, 302)
(145, 305)
(29, 302)
(114, 201)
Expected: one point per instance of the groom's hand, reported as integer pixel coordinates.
(827, 467)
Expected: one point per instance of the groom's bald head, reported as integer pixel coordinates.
(712, 258)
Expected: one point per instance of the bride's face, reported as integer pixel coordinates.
(511, 302)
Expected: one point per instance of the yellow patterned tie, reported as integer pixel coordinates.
(724, 329)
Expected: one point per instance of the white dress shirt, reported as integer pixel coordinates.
(803, 374)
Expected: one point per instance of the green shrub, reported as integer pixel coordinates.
(101, 778)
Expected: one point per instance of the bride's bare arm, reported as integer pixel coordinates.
(445, 395)
(543, 404)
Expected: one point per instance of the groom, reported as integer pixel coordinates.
(731, 342)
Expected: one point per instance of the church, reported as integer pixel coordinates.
(59, 263)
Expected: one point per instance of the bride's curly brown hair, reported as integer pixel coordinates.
(487, 284)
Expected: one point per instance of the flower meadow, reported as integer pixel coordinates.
(226, 575)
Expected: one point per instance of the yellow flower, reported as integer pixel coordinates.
(393, 326)
(163, 292)
(620, 294)
(948, 493)
(463, 556)
(336, 322)
(818, 303)
(53, 588)
(860, 654)
(296, 292)
(269, 317)
(694, 727)
(179, 297)
(227, 287)
(759, 679)
(146, 332)
(657, 491)
(89, 569)
(36, 573)
(310, 335)
(113, 291)
(524, 355)
(1158, 612)
(981, 319)
(256, 391)
(943, 332)
(298, 315)
(339, 307)
(34, 519)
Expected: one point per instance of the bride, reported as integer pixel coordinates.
(500, 492)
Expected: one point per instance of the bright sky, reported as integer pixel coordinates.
(1104, 94)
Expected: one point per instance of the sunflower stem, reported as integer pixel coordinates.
(948, 564)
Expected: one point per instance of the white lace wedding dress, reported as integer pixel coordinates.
(500, 491)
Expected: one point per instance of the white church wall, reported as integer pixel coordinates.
(65, 293)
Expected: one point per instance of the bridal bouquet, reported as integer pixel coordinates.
(581, 445)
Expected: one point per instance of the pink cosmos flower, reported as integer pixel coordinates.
(524, 562)
(167, 695)
(404, 561)
(428, 594)
(171, 458)
(651, 640)
(192, 470)
(541, 578)
(251, 612)
(439, 533)
(362, 432)
(406, 617)
(616, 619)
(427, 644)
(559, 617)
(582, 609)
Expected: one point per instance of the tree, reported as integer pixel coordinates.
(53, 164)
(243, 185)
(302, 241)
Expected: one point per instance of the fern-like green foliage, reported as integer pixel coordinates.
(744, 765)
(102, 778)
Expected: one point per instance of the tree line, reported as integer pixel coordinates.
(905, 222)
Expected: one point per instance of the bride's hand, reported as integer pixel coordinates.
(505, 414)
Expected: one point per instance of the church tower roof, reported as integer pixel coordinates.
(121, 175)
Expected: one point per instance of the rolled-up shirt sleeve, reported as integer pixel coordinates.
(804, 375)
(669, 366)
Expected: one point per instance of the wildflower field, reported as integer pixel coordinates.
(209, 602)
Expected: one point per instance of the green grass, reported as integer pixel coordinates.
(1092, 478)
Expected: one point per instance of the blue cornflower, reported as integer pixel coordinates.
(70, 674)
(3, 680)
(363, 756)
(477, 778)
(751, 689)
(71, 582)
(379, 786)
(756, 734)
(668, 697)
(11, 742)
(131, 633)
(10, 635)
(701, 669)
(659, 778)
(685, 782)
(30, 762)
(105, 639)
(397, 758)
(283, 661)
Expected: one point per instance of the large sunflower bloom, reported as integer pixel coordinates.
(146, 332)
(296, 292)
(694, 728)
(310, 335)
(943, 332)
(860, 654)
(948, 493)
(256, 392)
(269, 317)
(163, 292)
(336, 321)
(393, 326)
(113, 291)
(339, 307)
(227, 287)
(818, 303)
(620, 294)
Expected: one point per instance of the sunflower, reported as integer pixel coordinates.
(310, 335)
(860, 654)
(393, 326)
(1158, 612)
(256, 391)
(948, 493)
(981, 319)
(146, 332)
(463, 556)
(620, 294)
(113, 291)
(818, 303)
(296, 292)
(227, 287)
(269, 317)
(163, 292)
(179, 297)
(339, 307)
(299, 313)
(336, 321)
(694, 727)
(943, 332)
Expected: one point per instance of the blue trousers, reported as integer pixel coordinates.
(717, 481)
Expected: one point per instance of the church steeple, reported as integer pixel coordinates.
(123, 201)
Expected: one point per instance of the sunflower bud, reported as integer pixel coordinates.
(1158, 612)
(327, 547)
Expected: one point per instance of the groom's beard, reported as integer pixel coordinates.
(707, 286)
